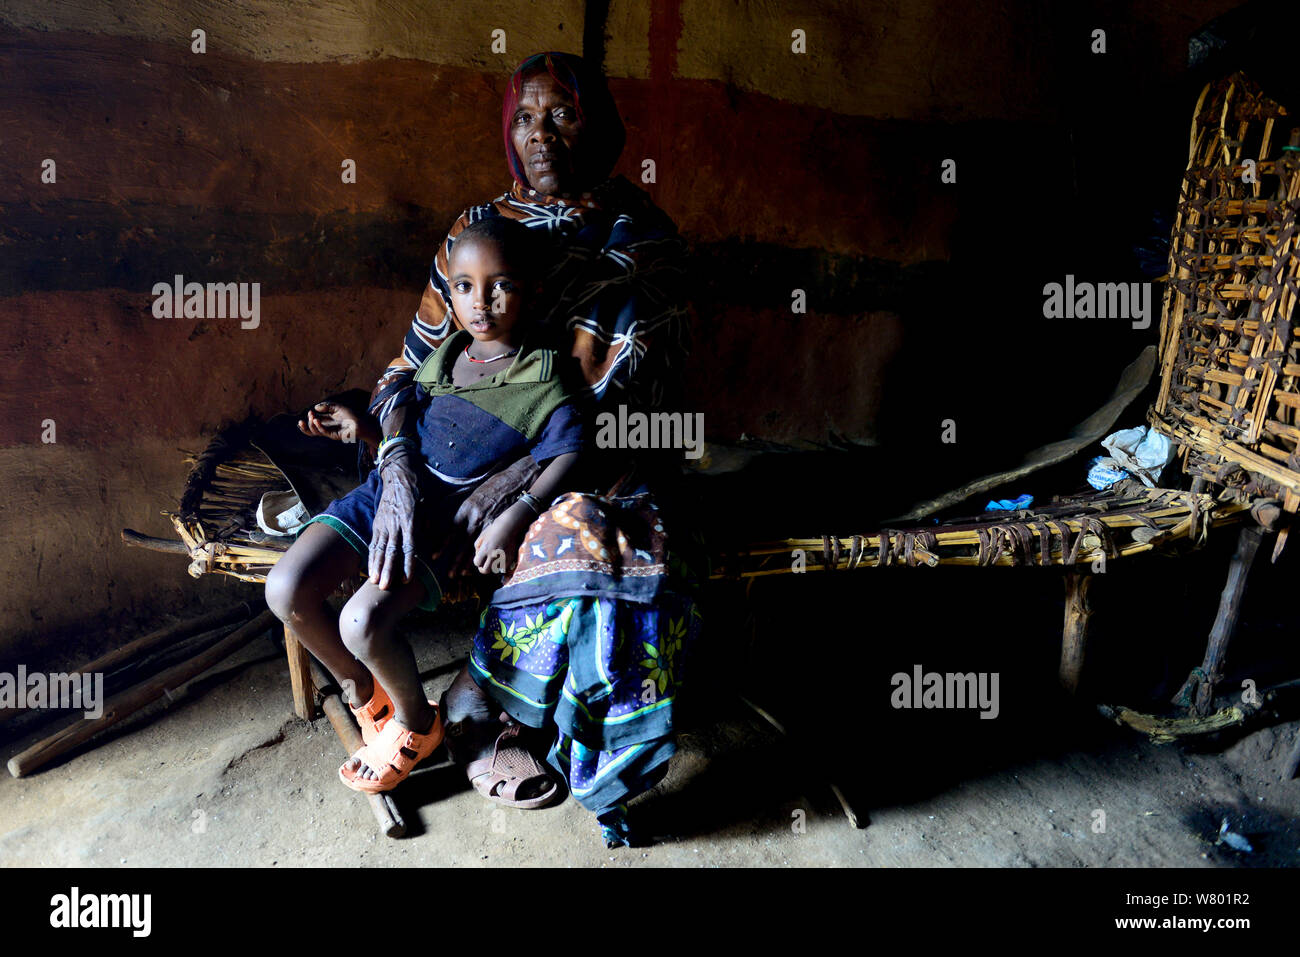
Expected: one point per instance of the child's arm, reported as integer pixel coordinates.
(508, 530)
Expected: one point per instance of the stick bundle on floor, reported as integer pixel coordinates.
(128, 702)
(139, 649)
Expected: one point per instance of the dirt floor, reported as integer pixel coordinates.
(225, 775)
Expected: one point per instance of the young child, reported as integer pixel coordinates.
(490, 392)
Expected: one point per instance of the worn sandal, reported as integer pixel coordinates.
(394, 753)
(500, 777)
(374, 714)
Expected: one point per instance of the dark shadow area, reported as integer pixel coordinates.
(1087, 192)
(819, 652)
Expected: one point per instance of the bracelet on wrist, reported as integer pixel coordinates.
(389, 444)
(533, 502)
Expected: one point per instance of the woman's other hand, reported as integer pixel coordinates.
(332, 420)
(477, 512)
(497, 548)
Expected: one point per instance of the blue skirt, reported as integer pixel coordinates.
(592, 632)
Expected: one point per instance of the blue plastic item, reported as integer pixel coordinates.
(1009, 505)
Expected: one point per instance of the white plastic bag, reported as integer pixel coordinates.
(1142, 451)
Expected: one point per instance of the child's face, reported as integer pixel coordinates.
(487, 295)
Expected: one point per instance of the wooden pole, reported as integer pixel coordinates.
(133, 699)
(304, 695)
(1074, 637)
(185, 629)
(1225, 622)
(381, 805)
(140, 540)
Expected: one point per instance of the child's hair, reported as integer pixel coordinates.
(519, 245)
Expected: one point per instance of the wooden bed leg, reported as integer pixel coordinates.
(381, 805)
(304, 693)
(1074, 637)
(1208, 675)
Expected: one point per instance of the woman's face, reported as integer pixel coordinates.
(547, 135)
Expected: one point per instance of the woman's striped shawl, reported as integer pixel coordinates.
(615, 282)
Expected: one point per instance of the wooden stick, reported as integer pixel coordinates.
(131, 537)
(340, 717)
(1225, 622)
(1074, 637)
(1167, 730)
(132, 700)
(211, 621)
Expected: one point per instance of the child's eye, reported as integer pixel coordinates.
(461, 287)
(505, 285)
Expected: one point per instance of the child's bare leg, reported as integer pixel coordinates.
(296, 590)
(368, 626)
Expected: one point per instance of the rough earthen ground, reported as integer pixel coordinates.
(226, 776)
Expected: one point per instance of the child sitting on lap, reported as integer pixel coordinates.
(489, 393)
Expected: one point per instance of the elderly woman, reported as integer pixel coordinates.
(585, 640)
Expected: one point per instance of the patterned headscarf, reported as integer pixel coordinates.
(603, 133)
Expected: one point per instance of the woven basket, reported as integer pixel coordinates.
(1230, 356)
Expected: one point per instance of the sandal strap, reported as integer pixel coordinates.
(413, 739)
(506, 737)
(379, 700)
(510, 791)
(510, 765)
(384, 755)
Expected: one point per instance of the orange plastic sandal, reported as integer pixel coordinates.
(374, 714)
(394, 753)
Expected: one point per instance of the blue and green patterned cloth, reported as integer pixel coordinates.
(591, 632)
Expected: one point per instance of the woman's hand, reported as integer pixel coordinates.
(496, 549)
(332, 420)
(476, 513)
(392, 541)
